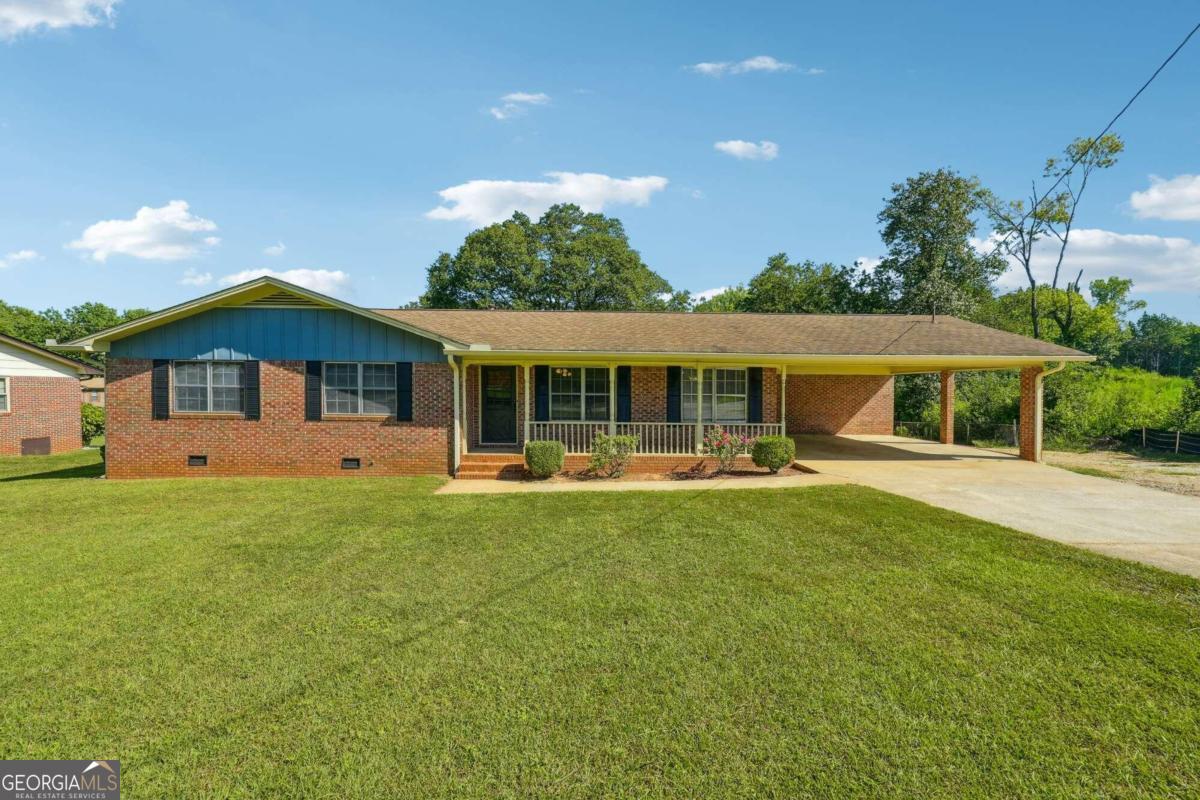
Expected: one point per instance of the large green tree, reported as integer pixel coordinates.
(65, 325)
(568, 259)
(931, 266)
(784, 287)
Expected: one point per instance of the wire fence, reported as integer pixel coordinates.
(980, 434)
(1164, 441)
(1007, 434)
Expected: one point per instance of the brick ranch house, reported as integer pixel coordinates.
(39, 399)
(268, 378)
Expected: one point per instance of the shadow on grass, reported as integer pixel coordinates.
(84, 471)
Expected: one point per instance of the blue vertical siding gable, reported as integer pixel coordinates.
(279, 334)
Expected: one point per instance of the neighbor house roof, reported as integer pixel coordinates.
(49, 355)
(729, 333)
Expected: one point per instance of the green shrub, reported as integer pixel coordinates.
(544, 459)
(773, 452)
(611, 455)
(92, 419)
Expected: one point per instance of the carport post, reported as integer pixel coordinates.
(947, 432)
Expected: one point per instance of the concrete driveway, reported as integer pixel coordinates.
(1108, 516)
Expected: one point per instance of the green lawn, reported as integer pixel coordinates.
(365, 638)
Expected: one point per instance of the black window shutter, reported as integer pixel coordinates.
(312, 390)
(250, 390)
(624, 396)
(754, 394)
(404, 386)
(160, 389)
(674, 409)
(541, 393)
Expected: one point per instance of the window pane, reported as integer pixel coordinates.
(566, 383)
(227, 398)
(191, 373)
(731, 408)
(191, 386)
(687, 394)
(341, 388)
(191, 398)
(378, 401)
(341, 376)
(597, 406)
(379, 376)
(226, 374)
(565, 380)
(564, 406)
(3, 394)
(597, 380)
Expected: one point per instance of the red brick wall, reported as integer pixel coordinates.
(41, 407)
(282, 442)
(839, 404)
(648, 394)
(1028, 431)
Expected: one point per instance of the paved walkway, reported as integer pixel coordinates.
(1108, 516)
(765, 482)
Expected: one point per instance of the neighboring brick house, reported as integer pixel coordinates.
(93, 390)
(39, 399)
(267, 378)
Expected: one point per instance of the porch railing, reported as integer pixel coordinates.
(662, 438)
(654, 438)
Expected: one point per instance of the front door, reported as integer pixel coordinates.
(498, 405)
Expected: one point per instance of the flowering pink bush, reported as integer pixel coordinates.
(725, 447)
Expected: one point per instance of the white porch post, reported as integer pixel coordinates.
(612, 399)
(783, 400)
(699, 409)
(528, 388)
(457, 432)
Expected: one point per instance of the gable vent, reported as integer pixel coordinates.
(286, 299)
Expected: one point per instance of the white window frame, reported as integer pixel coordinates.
(208, 368)
(359, 389)
(6, 394)
(583, 394)
(708, 395)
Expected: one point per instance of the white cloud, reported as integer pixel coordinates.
(485, 201)
(17, 256)
(169, 233)
(709, 294)
(276, 249)
(716, 69)
(28, 16)
(1155, 263)
(868, 263)
(763, 151)
(325, 281)
(193, 278)
(1176, 199)
(515, 104)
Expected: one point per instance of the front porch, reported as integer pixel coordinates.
(502, 406)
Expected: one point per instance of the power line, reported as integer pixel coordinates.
(1037, 202)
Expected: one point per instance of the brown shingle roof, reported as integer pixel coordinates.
(765, 334)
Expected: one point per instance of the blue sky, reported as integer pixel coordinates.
(317, 136)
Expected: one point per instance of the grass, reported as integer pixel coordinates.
(363, 637)
(1092, 471)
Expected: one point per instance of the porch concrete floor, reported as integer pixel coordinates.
(765, 482)
(1108, 516)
